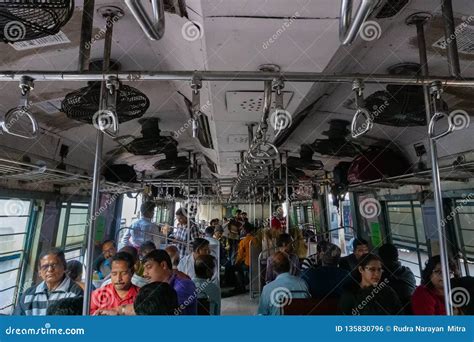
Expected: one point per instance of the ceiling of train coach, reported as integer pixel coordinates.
(394, 42)
(299, 35)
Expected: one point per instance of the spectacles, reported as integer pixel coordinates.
(440, 272)
(374, 269)
(46, 267)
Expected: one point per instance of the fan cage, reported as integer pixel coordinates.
(22, 20)
(82, 104)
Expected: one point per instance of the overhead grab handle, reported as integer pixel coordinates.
(23, 110)
(358, 88)
(348, 27)
(196, 86)
(436, 90)
(154, 27)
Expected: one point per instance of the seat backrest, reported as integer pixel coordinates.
(203, 307)
(311, 307)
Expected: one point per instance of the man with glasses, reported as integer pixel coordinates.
(55, 285)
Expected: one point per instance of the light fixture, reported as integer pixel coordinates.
(23, 110)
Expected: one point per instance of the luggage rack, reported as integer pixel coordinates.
(459, 173)
(31, 173)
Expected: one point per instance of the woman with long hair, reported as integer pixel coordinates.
(367, 295)
(428, 298)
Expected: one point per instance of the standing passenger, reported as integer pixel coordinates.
(139, 230)
(182, 233)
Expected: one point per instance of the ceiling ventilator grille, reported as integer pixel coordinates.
(251, 101)
(464, 36)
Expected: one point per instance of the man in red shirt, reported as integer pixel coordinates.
(121, 291)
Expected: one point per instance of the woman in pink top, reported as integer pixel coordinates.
(428, 298)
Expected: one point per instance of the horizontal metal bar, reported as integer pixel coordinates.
(12, 252)
(233, 76)
(1, 235)
(10, 270)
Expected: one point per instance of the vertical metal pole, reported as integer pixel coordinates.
(450, 36)
(286, 194)
(189, 207)
(255, 206)
(270, 192)
(96, 176)
(434, 168)
(86, 34)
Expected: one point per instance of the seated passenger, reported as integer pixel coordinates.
(55, 285)
(74, 271)
(173, 252)
(200, 246)
(158, 268)
(428, 298)
(102, 263)
(156, 299)
(462, 295)
(213, 243)
(137, 278)
(204, 270)
(282, 289)
(400, 278)
(146, 248)
(327, 280)
(314, 260)
(350, 262)
(368, 295)
(66, 307)
(121, 291)
(284, 244)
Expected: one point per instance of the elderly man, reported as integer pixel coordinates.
(140, 230)
(182, 233)
(283, 288)
(55, 285)
(158, 268)
(121, 291)
(186, 265)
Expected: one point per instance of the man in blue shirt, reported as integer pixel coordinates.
(138, 232)
(283, 289)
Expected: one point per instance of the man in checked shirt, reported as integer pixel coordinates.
(181, 231)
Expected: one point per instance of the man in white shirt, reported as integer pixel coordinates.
(186, 265)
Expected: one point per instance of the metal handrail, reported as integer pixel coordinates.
(349, 27)
(154, 27)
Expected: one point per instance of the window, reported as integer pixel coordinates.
(72, 229)
(408, 235)
(465, 229)
(15, 218)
